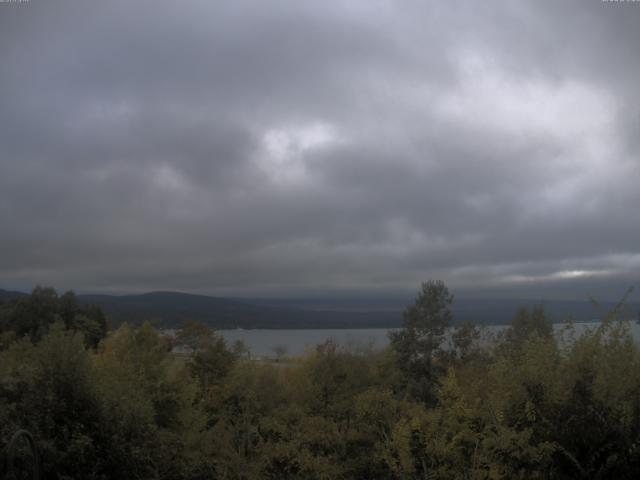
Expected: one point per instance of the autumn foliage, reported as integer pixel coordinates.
(441, 402)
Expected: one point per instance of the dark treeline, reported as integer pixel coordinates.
(122, 404)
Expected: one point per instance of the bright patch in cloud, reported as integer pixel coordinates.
(488, 96)
(285, 148)
(167, 178)
(575, 118)
(555, 276)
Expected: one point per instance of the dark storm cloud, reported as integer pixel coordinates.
(296, 147)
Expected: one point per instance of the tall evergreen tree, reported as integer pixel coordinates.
(418, 342)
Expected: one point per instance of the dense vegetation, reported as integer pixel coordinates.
(437, 406)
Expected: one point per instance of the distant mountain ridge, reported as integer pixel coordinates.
(8, 295)
(170, 309)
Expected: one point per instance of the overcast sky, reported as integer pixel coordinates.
(320, 147)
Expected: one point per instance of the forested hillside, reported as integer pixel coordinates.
(121, 404)
(171, 309)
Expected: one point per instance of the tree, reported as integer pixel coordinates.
(464, 338)
(419, 340)
(240, 348)
(34, 315)
(194, 336)
(212, 362)
(280, 351)
(526, 323)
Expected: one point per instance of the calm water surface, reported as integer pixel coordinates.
(262, 343)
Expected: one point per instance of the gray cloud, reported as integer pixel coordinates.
(306, 147)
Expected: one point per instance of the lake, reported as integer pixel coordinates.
(261, 343)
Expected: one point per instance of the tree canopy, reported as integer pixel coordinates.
(530, 404)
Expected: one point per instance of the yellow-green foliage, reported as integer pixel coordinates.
(529, 406)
